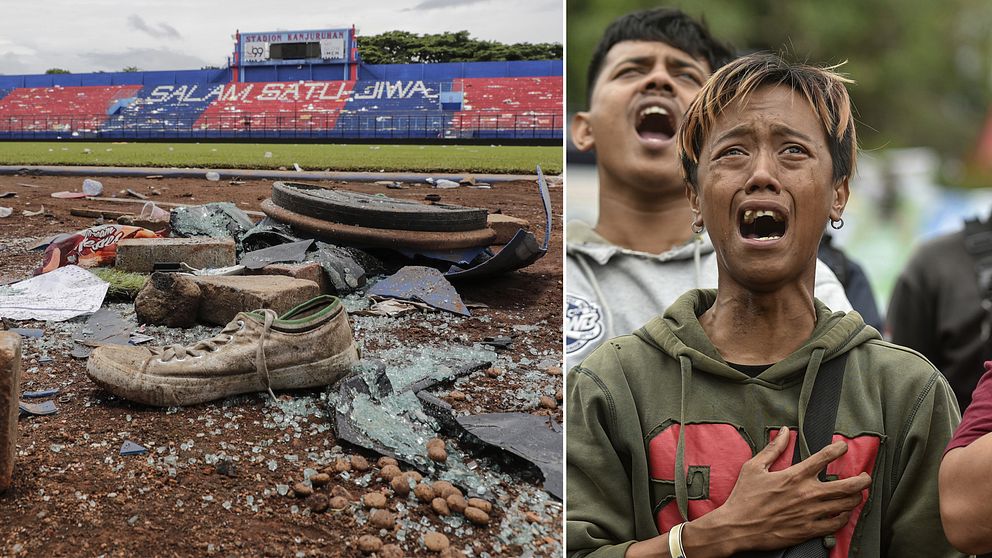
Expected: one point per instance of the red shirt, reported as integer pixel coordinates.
(977, 420)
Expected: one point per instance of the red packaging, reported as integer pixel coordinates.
(92, 247)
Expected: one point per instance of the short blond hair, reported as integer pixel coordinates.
(822, 87)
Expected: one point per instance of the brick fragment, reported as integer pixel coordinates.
(141, 254)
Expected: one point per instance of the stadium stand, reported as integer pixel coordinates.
(438, 101)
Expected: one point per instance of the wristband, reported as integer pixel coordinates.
(675, 541)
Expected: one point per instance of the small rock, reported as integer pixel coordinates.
(440, 506)
(483, 505)
(342, 465)
(391, 551)
(451, 552)
(317, 503)
(546, 402)
(424, 492)
(559, 396)
(457, 395)
(435, 542)
(374, 500)
(369, 544)
(359, 463)
(320, 479)
(435, 442)
(302, 490)
(554, 371)
(457, 503)
(437, 454)
(401, 485)
(226, 467)
(338, 503)
(388, 472)
(477, 516)
(415, 476)
(445, 489)
(494, 372)
(383, 519)
(383, 461)
(533, 517)
(341, 491)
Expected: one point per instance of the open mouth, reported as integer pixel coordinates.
(762, 224)
(656, 123)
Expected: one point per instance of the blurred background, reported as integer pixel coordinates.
(923, 93)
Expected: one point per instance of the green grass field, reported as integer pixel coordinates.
(399, 158)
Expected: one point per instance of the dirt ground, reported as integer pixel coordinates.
(74, 495)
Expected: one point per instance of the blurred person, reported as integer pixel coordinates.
(965, 483)
(853, 278)
(641, 255)
(665, 425)
(941, 305)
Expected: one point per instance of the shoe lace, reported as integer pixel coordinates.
(180, 352)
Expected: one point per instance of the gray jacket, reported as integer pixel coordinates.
(612, 291)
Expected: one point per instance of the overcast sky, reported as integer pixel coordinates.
(107, 35)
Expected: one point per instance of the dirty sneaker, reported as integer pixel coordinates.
(309, 346)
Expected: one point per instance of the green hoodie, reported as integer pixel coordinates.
(627, 400)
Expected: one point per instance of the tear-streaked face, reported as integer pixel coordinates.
(766, 188)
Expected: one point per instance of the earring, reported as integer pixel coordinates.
(836, 225)
(696, 228)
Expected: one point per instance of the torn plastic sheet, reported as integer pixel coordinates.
(422, 284)
(522, 250)
(292, 252)
(217, 220)
(390, 308)
(56, 296)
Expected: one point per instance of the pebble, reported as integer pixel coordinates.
(391, 551)
(318, 503)
(435, 542)
(342, 465)
(415, 476)
(435, 442)
(437, 454)
(383, 519)
(547, 403)
(477, 516)
(457, 395)
(554, 371)
(452, 553)
(369, 544)
(457, 503)
(383, 461)
(302, 490)
(359, 463)
(388, 472)
(320, 479)
(533, 517)
(424, 492)
(559, 395)
(483, 505)
(338, 503)
(341, 491)
(440, 506)
(401, 485)
(494, 372)
(444, 488)
(374, 500)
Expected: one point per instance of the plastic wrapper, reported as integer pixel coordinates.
(92, 247)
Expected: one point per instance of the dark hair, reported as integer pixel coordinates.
(823, 88)
(664, 25)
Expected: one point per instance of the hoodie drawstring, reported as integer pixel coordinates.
(681, 483)
(607, 314)
(812, 369)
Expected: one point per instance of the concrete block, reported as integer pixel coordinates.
(10, 382)
(505, 226)
(223, 297)
(169, 299)
(141, 254)
(310, 271)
